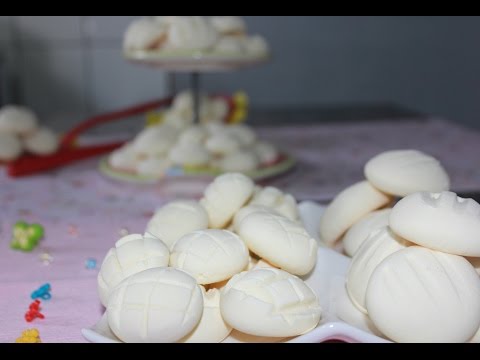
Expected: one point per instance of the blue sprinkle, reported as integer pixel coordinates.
(91, 263)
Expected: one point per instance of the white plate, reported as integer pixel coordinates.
(327, 280)
(196, 60)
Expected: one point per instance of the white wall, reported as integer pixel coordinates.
(73, 65)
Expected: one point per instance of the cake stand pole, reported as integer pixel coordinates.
(195, 83)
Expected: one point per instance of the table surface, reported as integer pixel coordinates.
(83, 213)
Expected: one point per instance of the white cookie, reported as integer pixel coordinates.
(403, 172)
(177, 219)
(189, 155)
(247, 210)
(244, 134)
(439, 221)
(266, 152)
(17, 120)
(178, 120)
(269, 302)
(222, 143)
(358, 233)
(191, 33)
(225, 196)
(144, 34)
(124, 158)
(195, 134)
(239, 161)
(380, 243)
(131, 254)
(275, 199)
(421, 295)
(210, 256)
(348, 207)
(256, 45)
(211, 328)
(41, 141)
(10, 147)
(155, 140)
(230, 44)
(229, 25)
(282, 242)
(157, 305)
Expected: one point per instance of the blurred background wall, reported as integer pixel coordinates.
(70, 67)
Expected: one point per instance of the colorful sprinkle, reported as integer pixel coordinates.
(34, 311)
(91, 263)
(42, 292)
(29, 336)
(25, 237)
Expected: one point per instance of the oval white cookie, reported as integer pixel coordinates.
(348, 207)
(210, 256)
(157, 305)
(10, 147)
(282, 242)
(177, 219)
(421, 295)
(403, 172)
(41, 141)
(225, 196)
(440, 221)
(17, 120)
(275, 199)
(131, 254)
(379, 244)
(269, 302)
(358, 233)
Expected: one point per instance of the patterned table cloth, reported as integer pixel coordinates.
(84, 213)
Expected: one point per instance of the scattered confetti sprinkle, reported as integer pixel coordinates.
(42, 292)
(29, 336)
(46, 258)
(34, 311)
(73, 230)
(90, 263)
(25, 237)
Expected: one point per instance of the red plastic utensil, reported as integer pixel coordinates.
(68, 152)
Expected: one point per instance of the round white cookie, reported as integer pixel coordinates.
(10, 147)
(358, 233)
(229, 25)
(124, 158)
(282, 242)
(275, 199)
(439, 221)
(403, 172)
(195, 134)
(211, 328)
(421, 295)
(155, 140)
(131, 254)
(177, 219)
(256, 45)
(266, 152)
(218, 110)
(158, 305)
(222, 143)
(379, 244)
(225, 196)
(153, 166)
(17, 120)
(347, 208)
(210, 256)
(189, 155)
(269, 302)
(230, 44)
(191, 33)
(144, 34)
(244, 134)
(41, 141)
(241, 161)
(178, 120)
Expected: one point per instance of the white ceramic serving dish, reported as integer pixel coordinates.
(327, 280)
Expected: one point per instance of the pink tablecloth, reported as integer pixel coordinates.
(83, 213)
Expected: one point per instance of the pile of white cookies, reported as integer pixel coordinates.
(219, 34)
(178, 142)
(20, 132)
(409, 276)
(231, 261)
